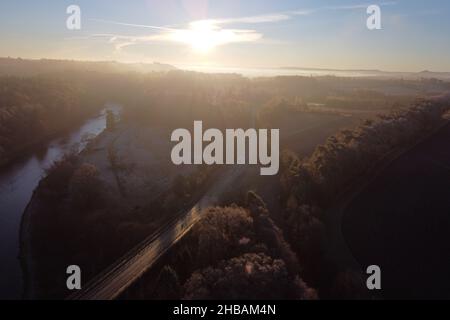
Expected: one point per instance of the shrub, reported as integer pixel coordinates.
(220, 232)
(250, 276)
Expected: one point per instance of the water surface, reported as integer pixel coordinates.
(17, 183)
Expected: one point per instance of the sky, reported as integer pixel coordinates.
(327, 34)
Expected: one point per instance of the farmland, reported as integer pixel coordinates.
(401, 222)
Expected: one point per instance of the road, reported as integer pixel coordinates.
(111, 283)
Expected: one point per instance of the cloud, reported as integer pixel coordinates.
(121, 41)
(201, 39)
(204, 35)
(359, 6)
(201, 35)
(131, 24)
(255, 19)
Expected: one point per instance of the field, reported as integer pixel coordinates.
(401, 221)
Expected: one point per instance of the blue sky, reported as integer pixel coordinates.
(244, 33)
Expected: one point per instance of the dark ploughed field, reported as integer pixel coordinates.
(401, 222)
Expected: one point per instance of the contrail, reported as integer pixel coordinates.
(134, 25)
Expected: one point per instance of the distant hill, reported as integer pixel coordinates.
(25, 67)
(433, 74)
(426, 74)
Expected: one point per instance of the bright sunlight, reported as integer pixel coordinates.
(205, 35)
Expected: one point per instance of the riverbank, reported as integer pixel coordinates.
(29, 290)
(18, 183)
(134, 168)
(39, 143)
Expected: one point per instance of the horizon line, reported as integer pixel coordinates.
(177, 65)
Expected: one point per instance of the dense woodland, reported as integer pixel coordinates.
(36, 108)
(33, 109)
(232, 253)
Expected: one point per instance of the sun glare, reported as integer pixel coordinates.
(202, 36)
(205, 35)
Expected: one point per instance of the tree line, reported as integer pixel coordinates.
(310, 186)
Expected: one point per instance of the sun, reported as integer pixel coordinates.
(202, 36)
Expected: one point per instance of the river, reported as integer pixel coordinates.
(17, 183)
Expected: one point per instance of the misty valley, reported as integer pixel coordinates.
(175, 184)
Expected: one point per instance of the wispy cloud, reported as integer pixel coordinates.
(133, 25)
(201, 35)
(204, 35)
(275, 17)
(360, 6)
